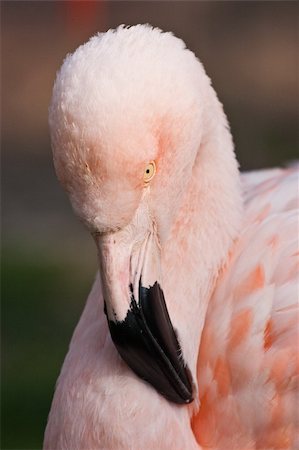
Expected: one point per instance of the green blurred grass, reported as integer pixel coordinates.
(43, 295)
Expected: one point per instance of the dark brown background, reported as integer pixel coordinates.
(249, 49)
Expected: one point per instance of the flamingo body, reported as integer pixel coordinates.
(214, 349)
(248, 359)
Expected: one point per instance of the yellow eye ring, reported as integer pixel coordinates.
(149, 171)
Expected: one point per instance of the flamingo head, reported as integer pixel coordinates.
(126, 122)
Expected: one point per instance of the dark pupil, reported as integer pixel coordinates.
(147, 171)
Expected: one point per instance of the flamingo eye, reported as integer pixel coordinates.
(149, 172)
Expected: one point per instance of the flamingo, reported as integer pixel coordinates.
(188, 339)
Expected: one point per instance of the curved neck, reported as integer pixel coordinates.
(205, 227)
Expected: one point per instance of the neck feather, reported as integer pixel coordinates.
(206, 225)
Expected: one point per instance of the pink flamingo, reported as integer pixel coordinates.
(188, 339)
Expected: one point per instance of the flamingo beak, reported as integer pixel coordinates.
(138, 318)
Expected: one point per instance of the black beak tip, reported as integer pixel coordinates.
(147, 342)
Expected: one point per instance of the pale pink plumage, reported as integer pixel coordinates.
(248, 358)
(229, 276)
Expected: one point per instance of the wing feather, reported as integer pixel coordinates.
(248, 359)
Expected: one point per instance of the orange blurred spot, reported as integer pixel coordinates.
(268, 337)
(81, 11)
(239, 328)
(84, 16)
(222, 376)
(204, 424)
(254, 281)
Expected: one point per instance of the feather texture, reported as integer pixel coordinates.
(248, 359)
(228, 251)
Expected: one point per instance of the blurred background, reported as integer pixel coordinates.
(248, 48)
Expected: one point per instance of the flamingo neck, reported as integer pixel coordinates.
(206, 225)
